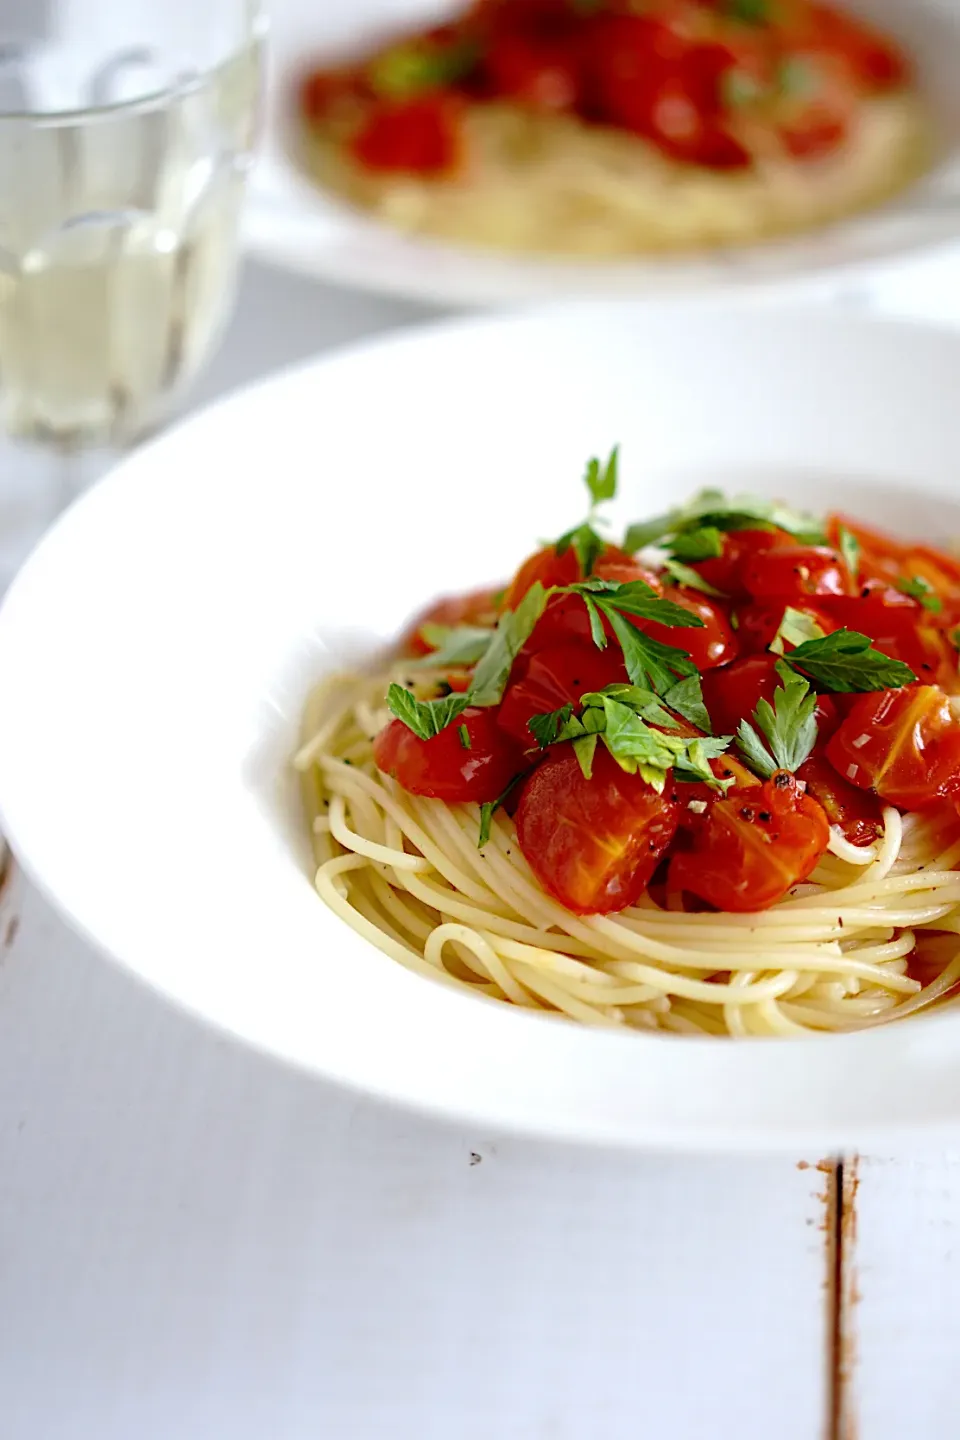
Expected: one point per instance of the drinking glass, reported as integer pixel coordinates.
(126, 134)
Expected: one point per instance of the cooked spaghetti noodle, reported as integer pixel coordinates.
(869, 938)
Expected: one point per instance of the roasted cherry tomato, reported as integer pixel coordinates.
(552, 569)
(732, 693)
(713, 643)
(443, 767)
(593, 844)
(874, 60)
(795, 570)
(416, 137)
(750, 847)
(566, 618)
(904, 744)
(816, 115)
(900, 627)
(557, 677)
(725, 571)
(478, 607)
(858, 813)
(540, 72)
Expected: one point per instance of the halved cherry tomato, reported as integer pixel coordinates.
(552, 569)
(477, 607)
(725, 571)
(858, 813)
(557, 677)
(795, 570)
(593, 844)
(731, 694)
(904, 744)
(417, 137)
(880, 554)
(443, 767)
(750, 847)
(713, 643)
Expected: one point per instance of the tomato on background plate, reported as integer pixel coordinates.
(593, 844)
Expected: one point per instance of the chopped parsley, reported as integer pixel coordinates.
(403, 71)
(601, 481)
(684, 575)
(454, 645)
(465, 740)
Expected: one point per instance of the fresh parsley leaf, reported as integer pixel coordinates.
(465, 740)
(705, 543)
(454, 645)
(798, 77)
(789, 726)
(636, 747)
(650, 664)
(644, 702)
(954, 638)
(425, 718)
(546, 728)
(845, 662)
(585, 748)
(919, 589)
(795, 628)
(514, 629)
(588, 546)
(597, 633)
(711, 509)
(695, 581)
(637, 598)
(601, 480)
(686, 699)
(850, 550)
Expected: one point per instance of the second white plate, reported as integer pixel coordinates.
(293, 224)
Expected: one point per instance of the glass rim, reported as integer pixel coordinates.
(256, 31)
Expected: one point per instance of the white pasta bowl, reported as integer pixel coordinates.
(157, 648)
(292, 223)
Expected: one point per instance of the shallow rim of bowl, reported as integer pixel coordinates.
(225, 924)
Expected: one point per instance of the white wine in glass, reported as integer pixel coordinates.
(126, 134)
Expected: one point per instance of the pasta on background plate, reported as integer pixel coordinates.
(606, 127)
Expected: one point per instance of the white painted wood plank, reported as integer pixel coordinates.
(197, 1244)
(903, 1323)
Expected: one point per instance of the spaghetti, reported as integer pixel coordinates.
(548, 802)
(406, 873)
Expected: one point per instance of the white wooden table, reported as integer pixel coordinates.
(195, 1245)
